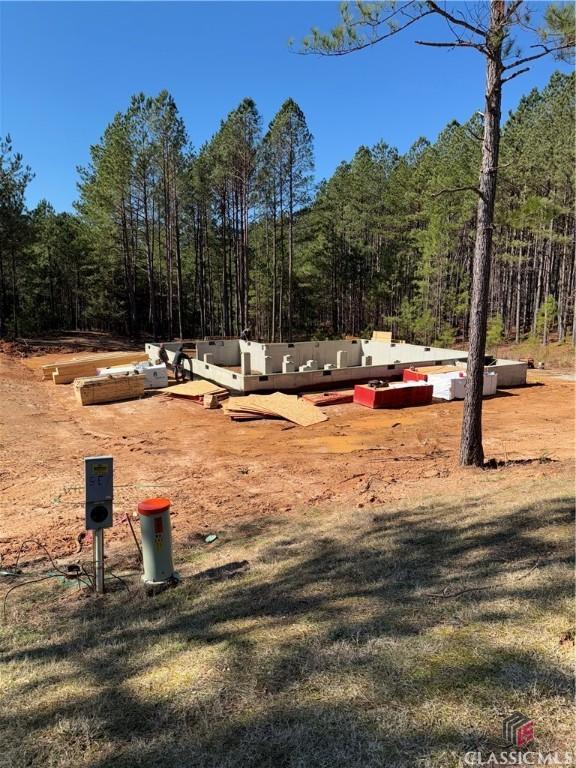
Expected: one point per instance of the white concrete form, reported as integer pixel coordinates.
(249, 366)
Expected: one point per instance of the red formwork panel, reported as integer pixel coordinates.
(392, 397)
(408, 375)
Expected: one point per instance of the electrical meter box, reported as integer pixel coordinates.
(98, 473)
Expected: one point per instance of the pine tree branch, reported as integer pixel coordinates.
(366, 44)
(455, 20)
(455, 44)
(513, 8)
(451, 190)
(472, 134)
(545, 52)
(511, 77)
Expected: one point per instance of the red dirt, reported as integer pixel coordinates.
(218, 473)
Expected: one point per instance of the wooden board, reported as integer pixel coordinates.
(107, 389)
(103, 357)
(385, 336)
(288, 407)
(438, 369)
(329, 398)
(196, 389)
(100, 360)
(66, 373)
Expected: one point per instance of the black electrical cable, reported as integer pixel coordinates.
(134, 537)
(124, 584)
(42, 546)
(23, 584)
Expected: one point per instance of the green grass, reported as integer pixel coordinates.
(330, 649)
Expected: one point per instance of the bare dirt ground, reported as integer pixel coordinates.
(218, 473)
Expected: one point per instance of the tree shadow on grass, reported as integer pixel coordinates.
(322, 654)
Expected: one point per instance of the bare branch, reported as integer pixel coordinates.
(545, 52)
(511, 77)
(455, 44)
(472, 134)
(457, 189)
(459, 22)
(513, 7)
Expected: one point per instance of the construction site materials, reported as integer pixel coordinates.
(329, 398)
(385, 336)
(450, 385)
(210, 402)
(97, 360)
(195, 391)
(395, 395)
(100, 389)
(422, 373)
(277, 405)
(156, 376)
(66, 372)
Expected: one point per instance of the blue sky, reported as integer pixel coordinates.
(67, 67)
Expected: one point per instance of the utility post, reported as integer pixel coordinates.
(98, 473)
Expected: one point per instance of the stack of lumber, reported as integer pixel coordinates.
(195, 391)
(278, 405)
(65, 371)
(107, 389)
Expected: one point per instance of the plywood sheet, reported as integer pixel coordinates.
(195, 389)
(385, 336)
(288, 407)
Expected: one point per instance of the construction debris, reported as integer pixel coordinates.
(99, 389)
(450, 385)
(277, 405)
(210, 402)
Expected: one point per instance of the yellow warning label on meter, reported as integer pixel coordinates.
(100, 469)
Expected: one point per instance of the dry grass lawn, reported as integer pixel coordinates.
(399, 637)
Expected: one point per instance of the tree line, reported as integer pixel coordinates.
(167, 241)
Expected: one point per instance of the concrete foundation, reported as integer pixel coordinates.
(319, 364)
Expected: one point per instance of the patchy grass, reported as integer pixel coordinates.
(553, 355)
(352, 639)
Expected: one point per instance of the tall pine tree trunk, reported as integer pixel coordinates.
(471, 450)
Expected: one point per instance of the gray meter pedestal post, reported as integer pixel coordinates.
(99, 477)
(156, 533)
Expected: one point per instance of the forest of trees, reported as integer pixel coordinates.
(166, 241)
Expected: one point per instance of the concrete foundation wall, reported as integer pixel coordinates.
(387, 354)
(387, 362)
(225, 352)
(323, 352)
(171, 347)
(511, 373)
